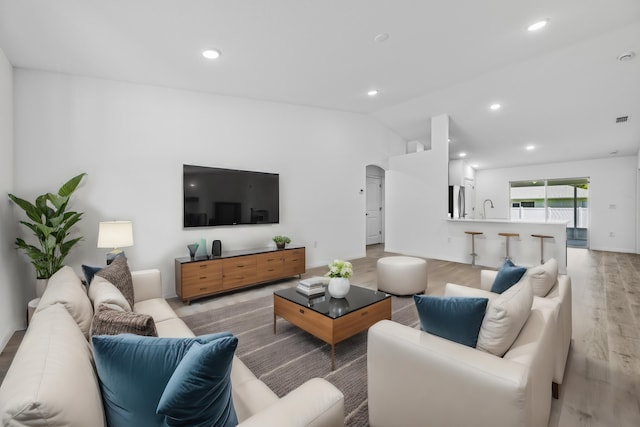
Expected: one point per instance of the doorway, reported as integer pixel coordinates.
(374, 205)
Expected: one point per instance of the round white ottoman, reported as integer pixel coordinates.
(402, 275)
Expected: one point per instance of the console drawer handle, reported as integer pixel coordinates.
(364, 313)
(203, 277)
(302, 311)
(203, 289)
(203, 265)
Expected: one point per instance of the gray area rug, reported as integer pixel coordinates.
(290, 357)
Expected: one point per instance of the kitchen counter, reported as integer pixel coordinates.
(524, 250)
(506, 220)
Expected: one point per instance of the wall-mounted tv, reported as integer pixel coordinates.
(216, 196)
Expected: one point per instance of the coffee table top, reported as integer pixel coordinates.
(356, 299)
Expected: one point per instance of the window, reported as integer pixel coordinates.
(554, 200)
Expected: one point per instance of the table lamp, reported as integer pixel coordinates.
(115, 235)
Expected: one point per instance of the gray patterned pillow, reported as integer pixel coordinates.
(119, 274)
(113, 322)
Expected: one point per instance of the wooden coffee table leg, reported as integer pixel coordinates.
(333, 356)
(274, 323)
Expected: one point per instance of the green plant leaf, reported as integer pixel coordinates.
(58, 202)
(30, 209)
(51, 227)
(66, 246)
(45, 229)
(41, 204)
(70, 219)
(70, 186)
(32, 227)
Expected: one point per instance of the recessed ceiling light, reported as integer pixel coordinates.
(463, 154)
(495, 106)
(448, 139)
(530, 147)
(372, 92)
(538, 25)
(475, 165)
(211, 53)
(382, 37)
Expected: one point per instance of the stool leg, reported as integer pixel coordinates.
(473, 250)
(507, 257)
(541, 251)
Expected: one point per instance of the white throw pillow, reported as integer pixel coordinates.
(505, 317)
(101, 291)
(542, 277)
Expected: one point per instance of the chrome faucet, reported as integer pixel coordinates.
(484, 207)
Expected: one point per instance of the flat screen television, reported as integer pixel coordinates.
(216, 196)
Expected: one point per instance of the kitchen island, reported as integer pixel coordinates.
(523, 250)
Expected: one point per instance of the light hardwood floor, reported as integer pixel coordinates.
(602, 380)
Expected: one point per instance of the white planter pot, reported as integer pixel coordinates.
(339, 287)
(41, 285)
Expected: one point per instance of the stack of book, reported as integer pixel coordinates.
(311, 287)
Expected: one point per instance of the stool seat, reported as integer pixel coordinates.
(402, 275)
(473, 253)
(542, 237)
(509, 234)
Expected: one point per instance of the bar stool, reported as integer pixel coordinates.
(508, 235)
(542, 237)
(473, 253)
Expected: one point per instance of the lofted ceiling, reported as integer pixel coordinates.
(561, 88)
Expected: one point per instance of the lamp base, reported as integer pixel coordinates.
(113, 254)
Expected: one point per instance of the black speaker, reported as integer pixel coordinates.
(216, 248)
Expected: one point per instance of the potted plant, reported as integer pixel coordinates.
(339, 272)
(51, 226)
(281, 241)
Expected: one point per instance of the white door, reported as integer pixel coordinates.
(374, 210)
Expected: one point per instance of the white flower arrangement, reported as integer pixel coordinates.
(340, 268)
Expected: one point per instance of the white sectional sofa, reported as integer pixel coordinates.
(52, 380)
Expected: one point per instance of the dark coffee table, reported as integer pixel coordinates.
(332, 319)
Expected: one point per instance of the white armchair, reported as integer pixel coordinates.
(560, 296)
(416, 379)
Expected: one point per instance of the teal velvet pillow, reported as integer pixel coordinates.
(134, 371)
(199, 391)
(90, 271)
(454, 318)
(508, 275)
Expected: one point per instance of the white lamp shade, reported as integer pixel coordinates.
(115, 234)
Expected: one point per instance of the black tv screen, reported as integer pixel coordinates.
(216, 196)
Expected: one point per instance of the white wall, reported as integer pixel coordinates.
(417, 197)
(132, 141)
(12, 290)
(612, 195)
